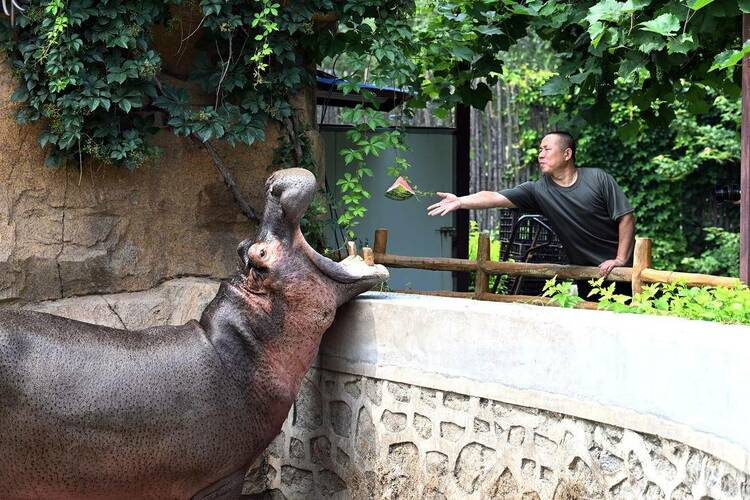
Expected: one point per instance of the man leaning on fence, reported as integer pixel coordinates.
(585, 206)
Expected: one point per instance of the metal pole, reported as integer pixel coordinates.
(462, 179)
(745, 161)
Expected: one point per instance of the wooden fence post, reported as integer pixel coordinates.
(351, 248)
(481, 282)
(641, 261)
(381, 242)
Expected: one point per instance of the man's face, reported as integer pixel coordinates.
(552, 155)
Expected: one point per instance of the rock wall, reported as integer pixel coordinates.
(93, 228)
(360, 437)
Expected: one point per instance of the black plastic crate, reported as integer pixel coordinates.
(532, 230)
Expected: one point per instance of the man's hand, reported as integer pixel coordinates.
(448, 204)
(606, 267)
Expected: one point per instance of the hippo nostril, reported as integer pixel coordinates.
(262, 254)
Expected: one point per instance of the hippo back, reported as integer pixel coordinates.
(136, 414)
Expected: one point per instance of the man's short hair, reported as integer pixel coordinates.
(567, 141)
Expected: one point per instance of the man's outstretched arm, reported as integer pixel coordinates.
(625, 242)
(483, 199)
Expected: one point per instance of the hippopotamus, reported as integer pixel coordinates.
(173, 412)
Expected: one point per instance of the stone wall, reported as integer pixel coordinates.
(94, 228)
(359, 437)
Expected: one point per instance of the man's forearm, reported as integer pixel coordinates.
(484, 199)
(626, 237)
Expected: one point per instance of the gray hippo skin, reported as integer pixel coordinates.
(172, 412)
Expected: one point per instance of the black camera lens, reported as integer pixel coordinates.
(727, 194)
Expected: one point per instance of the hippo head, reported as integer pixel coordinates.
(281, 262)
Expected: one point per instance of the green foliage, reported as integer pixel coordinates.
(722, 257)
(725, 305)
(670, 52)
(495, 245)
(561, 293)
(88, 68)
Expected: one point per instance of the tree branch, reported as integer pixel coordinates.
(229, 180)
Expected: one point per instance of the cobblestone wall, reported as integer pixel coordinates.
(357, 437)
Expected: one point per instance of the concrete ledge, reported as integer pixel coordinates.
(679, 379)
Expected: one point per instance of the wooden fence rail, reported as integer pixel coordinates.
(640, 273)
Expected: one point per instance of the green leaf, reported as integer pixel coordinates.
(744, 6)
(606, 10)
(596, 32)
(681, 44)
(729, 58)
(698, 4)
(664, 25)
(556, 86)
(462, 52)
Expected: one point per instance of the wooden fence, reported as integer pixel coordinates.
(640, 273)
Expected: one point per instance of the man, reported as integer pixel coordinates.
(585, 206)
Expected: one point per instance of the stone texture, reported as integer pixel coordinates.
(451, 431)
(374, 390)
(423, 426)
(473, 464)
(394, 422)
(366, 438)
(172, 303)
(330, 483)
(506, 487)
(400, 392)
(403, 454)
(428, 397)
(297, 449)
(392, 451)
(608, 463)
(354, 388)
(308, 406)
(341, 418)
(516, 435)
(481, 426)
(455, 401)
(436, 462)
(297, 481)
(320, 450)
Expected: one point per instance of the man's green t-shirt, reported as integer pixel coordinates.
(584, 215)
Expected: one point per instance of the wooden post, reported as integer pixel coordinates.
(351, 248)
(368, 256)
(381, 241)
(641, 261)
(481, 282)
(745, 161)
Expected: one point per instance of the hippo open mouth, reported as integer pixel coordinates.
(288, 194)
